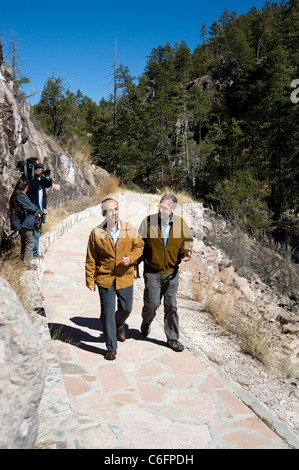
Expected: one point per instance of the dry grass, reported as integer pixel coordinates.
(256, 340)
(290, 368)
(255, 336)
(48, 425)
(181, 196)
(11, 269)
(241, 319)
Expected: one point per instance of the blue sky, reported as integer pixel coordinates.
(77, 40)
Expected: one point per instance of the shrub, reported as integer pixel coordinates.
(242, 199)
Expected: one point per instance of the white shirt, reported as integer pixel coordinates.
(40, 197)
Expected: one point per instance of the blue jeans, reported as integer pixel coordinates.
(36, 239)
(113, 320)
(36, 242)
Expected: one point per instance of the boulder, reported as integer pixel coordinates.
(242, 284)
(291, 328)
(22, 373)
(227, 275)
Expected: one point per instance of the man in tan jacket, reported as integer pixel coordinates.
(168, 241)
(113, 249)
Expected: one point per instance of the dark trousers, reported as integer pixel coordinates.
(156, 287)
(113, 320)
(27, 242)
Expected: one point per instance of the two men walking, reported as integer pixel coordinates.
(115, 249)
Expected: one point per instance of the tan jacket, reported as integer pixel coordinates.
(103, 258)
(156, 257)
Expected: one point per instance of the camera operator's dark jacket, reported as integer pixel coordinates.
(33, 190)
(24, 215)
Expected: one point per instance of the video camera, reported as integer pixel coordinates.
(46, 173)
(29, 166)
(41, 165)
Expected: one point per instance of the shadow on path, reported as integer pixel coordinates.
(91, 323)
(76, 337)
(138, 336)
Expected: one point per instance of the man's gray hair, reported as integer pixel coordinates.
(104, 203)
(171, 197)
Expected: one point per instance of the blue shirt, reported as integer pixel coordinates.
(166, 230)
(114, 233)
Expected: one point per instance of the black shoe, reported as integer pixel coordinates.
(145, 328)
(175, 345)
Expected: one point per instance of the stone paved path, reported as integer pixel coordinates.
(150, 397)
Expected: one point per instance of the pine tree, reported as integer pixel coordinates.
(50, 107)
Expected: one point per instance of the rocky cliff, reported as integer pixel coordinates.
(21, 138)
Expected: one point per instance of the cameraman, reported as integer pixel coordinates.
(37, 195)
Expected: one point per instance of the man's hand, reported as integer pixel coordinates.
(187, 255)
(125, 261)
(91, 288)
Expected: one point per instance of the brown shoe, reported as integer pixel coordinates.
(121, 335)
(110, 355)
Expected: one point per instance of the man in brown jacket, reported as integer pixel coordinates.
(168, 241)
(113, 249)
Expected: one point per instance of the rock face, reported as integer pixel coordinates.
(22, 373)
(221, 286)
(21, 138)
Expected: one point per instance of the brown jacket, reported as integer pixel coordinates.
(103, 257)
(156, 257)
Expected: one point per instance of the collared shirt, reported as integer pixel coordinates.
(114, 233)
(166, 229)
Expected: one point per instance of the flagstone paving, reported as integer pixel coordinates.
(149, 397)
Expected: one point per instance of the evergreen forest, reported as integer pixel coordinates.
(219, 122)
